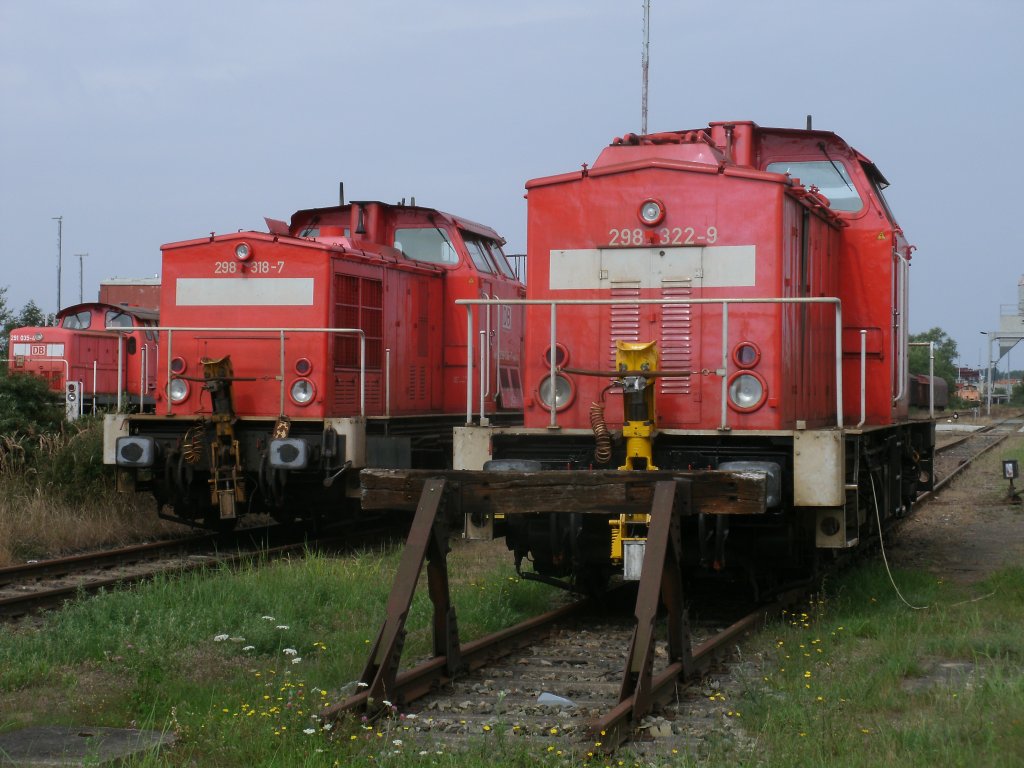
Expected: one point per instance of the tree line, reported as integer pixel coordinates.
(29, 316)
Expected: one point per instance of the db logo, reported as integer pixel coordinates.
(38, 350)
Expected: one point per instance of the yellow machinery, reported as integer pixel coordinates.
(227, 483)
(632, 361)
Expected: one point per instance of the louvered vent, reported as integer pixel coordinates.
(625, 318)
(676, 346)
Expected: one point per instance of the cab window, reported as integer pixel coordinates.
(78, 321)
(429, 244)
(479, 254)
(830, 176)
(499, 258)
(117, 319)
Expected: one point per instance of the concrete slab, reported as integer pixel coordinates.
(952, 426)
(65, 745)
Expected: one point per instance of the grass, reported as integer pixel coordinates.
(236, 665)
(859, 679)
(56, 497)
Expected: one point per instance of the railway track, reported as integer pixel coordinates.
(34, 586)
(954, 457)
(557, 677)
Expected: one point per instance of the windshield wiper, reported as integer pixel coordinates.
(839, 173)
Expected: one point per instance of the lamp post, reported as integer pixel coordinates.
(60, 227)
(988, 373)
(80, 256)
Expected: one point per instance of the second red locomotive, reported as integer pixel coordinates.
(292, 358)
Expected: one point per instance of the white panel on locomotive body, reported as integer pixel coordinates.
(737, 266)
(295, 357)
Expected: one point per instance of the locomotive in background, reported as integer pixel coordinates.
(731, 298)
(292, 358)
(92, 368)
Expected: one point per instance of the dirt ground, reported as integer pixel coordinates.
(970, 529)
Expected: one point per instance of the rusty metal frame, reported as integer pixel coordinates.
(427, 541)
(660, 582)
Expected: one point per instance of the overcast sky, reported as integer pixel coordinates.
(142, 123)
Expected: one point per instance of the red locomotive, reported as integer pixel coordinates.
(91, 367)
(732, 298)
(292, 358)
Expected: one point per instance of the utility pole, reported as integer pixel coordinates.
(645, 62)
(80, 256)
(60, 227)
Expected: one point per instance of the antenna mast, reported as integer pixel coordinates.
(645, 61)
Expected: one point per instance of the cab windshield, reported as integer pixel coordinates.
(430, 244)
(78, 321)
(830, 176)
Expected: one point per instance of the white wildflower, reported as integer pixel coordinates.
(386, 703)
(268, 618)
(397, 742)
(281, 626)
(309, 731)
(361, 684)
(220, 638)
(328, 726)
(296, 660)
(290, 652)
(249, 648)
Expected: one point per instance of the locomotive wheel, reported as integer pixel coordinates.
(272, 483)
(188, 501)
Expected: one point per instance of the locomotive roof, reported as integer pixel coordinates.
(459, 221)
(142, 313)
(715, 155)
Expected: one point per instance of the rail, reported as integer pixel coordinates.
(931, 373)
(172, 329)
(725, 303)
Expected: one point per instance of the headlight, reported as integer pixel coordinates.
(178, 390)
(746, 354)
(563, 392)
(178, 366)
(651, 212)
(302, 391)
(561, 356)
(746, 391)
(243, 251)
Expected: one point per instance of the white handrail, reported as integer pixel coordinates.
(863, 377)
(900, 337)
(170, 329)
(724, 302)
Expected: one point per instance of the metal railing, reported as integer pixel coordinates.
(722, 372)
(228, 333)
(931, 373)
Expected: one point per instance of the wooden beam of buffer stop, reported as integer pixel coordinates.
(441, 499)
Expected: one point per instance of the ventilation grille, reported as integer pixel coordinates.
(676, 347)
(346, 395)
(624, 323)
